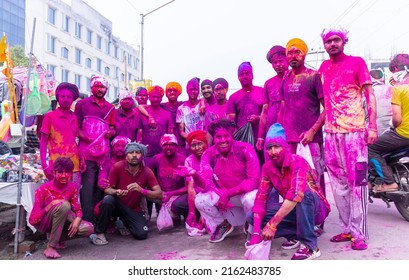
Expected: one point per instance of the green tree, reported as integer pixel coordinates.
(18, 56)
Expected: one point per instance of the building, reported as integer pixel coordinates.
(75, 42)
(12, 21)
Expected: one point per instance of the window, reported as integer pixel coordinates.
(66, 23)
(51, 68)
(51, 15)
(64, 75)
(108, 47)
(123, 56)
(116, 52)
(64, 52)
(99, 65)
(51, 43)
(88, 82)
(129, 59)
(116, 72)
(107, 70)
(89, 36)
(122, 77)
(136, 63)
(115, 92)
(129, 77)
(99, 42)
(78, 80)
(78, 28)
(88, 62)
(77, 56)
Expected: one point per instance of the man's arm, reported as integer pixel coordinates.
(306, 137)
(182, 130)
(262, 128)
(396, 115)
(271, 227)
(367, 90)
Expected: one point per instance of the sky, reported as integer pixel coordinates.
(210, 38)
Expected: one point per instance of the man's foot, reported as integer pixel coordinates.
(290, 244)
(342, 237)
(98, 239)
(221, 232)
(120, 226)
(51, 253)
(303, 253)
(386, 188)
(358, 244)
(61, 245)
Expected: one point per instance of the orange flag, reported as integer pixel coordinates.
(3, 47)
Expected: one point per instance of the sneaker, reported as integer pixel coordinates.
(290, 244)
(221, 232)
(303, 253)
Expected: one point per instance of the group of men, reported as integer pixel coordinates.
(183, 156)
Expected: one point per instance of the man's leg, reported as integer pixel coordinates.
(179, 206)
(205, 204)
(90, 195)
(135, 221)
(106, 210)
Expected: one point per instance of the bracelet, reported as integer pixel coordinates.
(255, 233)
(271, 227)
(262, 139)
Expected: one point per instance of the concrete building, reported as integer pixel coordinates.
(75, 42)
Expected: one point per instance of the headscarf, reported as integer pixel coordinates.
(156, 89)
(245, 66)
(276, 135)
(168, 138)
(194, 81)
(98, 80)
(297, 43)
(175, 85)
(120, 139)
(340, 31)
(221, 81)
(136, 147)
(198, 135)
(206, 82)
(274, 52)
(123, 93)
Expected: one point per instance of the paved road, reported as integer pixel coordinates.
(388, 241)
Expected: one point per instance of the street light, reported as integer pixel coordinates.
(142, 21)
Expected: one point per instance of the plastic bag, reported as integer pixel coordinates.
(245, 134)
(164, 220)
(259, 251)
(305, 152)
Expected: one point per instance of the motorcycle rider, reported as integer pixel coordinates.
(397, 137)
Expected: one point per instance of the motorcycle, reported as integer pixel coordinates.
(399, 162)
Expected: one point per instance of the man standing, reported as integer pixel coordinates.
(277, 57)
(217, 110)
(96, 118)
(126, 117)
(301, 92)
(129, 181)
(346, 81)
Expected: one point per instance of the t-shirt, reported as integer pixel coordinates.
(189, 115)
(301, 94)
(120, 177)
(127, 125)
(383, 95)
(271, 92)
(163, 169)
(342, 83)
(62, 131)
(215, 112)
(172, 110)
(400, 97)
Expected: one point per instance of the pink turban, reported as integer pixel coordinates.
(274, 52)
(198, 135)
(341, 32)
(168, 138)
(175, 85)
(98, 80)
(297, 43)
(125, 94)
(117, 139)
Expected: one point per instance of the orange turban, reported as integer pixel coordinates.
(198, 135)
(156, 89)
(175, 85)
(297, 43)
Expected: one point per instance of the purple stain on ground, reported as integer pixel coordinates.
(171, 256)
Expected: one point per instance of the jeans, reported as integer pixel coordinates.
(90, 194)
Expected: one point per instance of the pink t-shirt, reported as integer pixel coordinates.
(342, 84)
(62, 131)
(191, 161)
(163, 168)
(272, 94)
(215, 112)
(127, 125)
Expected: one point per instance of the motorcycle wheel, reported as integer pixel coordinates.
(404, 211)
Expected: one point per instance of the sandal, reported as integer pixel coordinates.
(97, 240)
(358, 244)
(342, 237)
(382, 188)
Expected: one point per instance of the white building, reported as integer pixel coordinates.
(75, 42)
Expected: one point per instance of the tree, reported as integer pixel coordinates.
(18, 56)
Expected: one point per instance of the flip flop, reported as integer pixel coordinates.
(97, 240)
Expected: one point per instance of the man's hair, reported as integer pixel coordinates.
(399, 62)
(221, 123)
(139, 89)
(71, 87)
(63, 164)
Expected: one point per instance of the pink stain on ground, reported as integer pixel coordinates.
(171, 256)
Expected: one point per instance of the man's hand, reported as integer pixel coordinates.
(268, 233)
(83, 166)
(53, 203)
(184, 171)
(120, 193)
(260, 144)
(134, 187)
(103, 183)
(307, 136)
(255, 238)
(74, 226)
(372, 137)
(253, 119)
(223, 203)
(49, 172)
(191, 219)
(166, 196)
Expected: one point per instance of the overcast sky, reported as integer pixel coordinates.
(210, 38)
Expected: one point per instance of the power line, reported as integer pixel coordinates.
(129, 2)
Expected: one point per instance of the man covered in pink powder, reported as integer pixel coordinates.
(346, 81)
(96, 119)
(56, 210)
(218, 109)
(127, 116)
(141, 96)
(277, 57)
(59, 130)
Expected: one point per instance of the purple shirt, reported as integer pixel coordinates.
(127, 125)
(239, 169)
(215, 112)
(172, 110)
(301, 94)
(193, 162)
(152, 136)
(244, 104)
(163, 169)
(272, 94)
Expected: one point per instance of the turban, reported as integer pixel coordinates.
(98, 80)
(175, 85)
(71, 87)
(194, 81)
(156, 89)
(168, 138)
(399, 62)
(274, 52)
(221, 81)
(136, 147)
(125, 94)
(341, 32)
(198, 135)
(276, 135)
(206, 82)
(120, 139)
(299, 44)
(245, 66)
